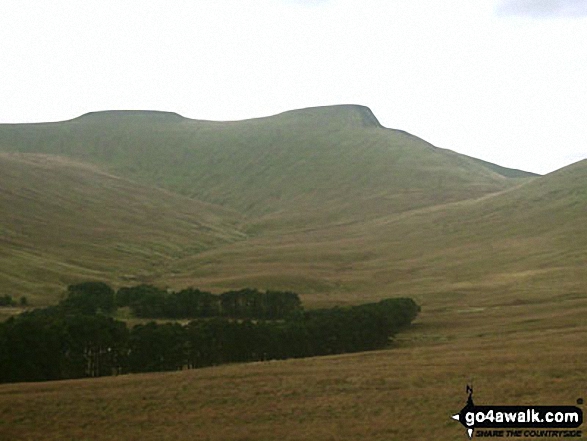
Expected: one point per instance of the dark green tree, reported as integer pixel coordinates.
(154, 347)
(89, 298)
(7, 300)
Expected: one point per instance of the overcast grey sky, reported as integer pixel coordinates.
(501, 80)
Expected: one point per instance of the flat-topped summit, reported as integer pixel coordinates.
(345, 114)
(142, 114)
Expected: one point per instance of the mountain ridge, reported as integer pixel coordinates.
(345, 111)
(332, 169)
(311, 157)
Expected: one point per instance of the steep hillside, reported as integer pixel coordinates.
(522, 243)
(299, 169)
(62, 221)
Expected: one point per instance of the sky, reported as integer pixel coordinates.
(500, 80)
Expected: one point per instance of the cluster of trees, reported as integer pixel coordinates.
(89, 298)
(7, 300)
(78, 338)
(147, 301)
(219, 340)
(51, 344)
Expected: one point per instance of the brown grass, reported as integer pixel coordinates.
(501, 280)
(514, 354)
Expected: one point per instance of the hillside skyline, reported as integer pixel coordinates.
(248, 201)
(499, 80)
(173, 114)
(322, 202)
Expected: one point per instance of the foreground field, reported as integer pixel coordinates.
(533, 353)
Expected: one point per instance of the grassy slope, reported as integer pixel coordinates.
(300, 170)
(515, 244)
(294, 170)
(502, 281)
(521, 343)
(63, 221)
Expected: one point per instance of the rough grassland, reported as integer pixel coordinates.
(62, 222)
(499, 270)
(530, 354)
(518, 245)
(316, 176)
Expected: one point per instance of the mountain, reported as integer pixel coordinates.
(298, 169)
(298, 200)
(322, 201)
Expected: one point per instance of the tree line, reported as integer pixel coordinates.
(147, 301)
(77, 339)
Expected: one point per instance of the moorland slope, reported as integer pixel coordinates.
(518, 243)
(63, 221)
(113, 188)
(322, 201)
(302, 168)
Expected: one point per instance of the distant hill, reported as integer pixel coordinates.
(298, 169)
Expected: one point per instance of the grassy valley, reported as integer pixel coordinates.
(310, 175)
(324, 202)
(520, 243)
